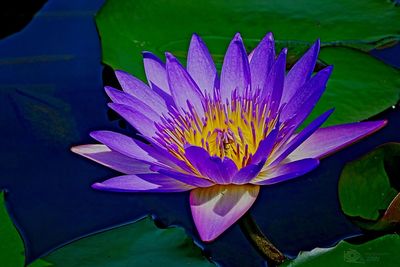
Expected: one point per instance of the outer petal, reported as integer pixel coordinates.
(235, 73)
(300, 138)
(136, 118)
(218, 170)
(120, 97)
(201, 66)
(244, 175)
(216, 208)
(123, 144)
(155, 71)
(265, 147)
(114, 160)
(183, 89)
(140, 90)
(300, 72)
(326, 141)
(261, 61)
(151, 182)
(285, 172)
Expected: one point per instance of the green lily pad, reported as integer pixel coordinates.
(136, 244)
(366, 192)
(361, 86)
(383, 251)
(11, 244)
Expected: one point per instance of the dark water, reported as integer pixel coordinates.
(51, 97)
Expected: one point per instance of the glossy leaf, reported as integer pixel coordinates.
(366, 191)
(382, 251)
(135, 244)
(11, 244)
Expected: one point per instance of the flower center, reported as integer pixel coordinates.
(225, 130)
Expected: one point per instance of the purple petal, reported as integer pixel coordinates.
(301, 104)
(111, 159)
(218, 170)
(244, 175)
(186, 178)
(155, 71)
(274, 82)
(201, 66)
(286, 171)
(140, 90)
(261, 61)
(265, 147)
(150, 182)
(300, 138)
(139, 121)
(216, 208)
(235, 73)
(300, 72)
(120, 97)
(183, 89)
(123, 144)
(326, 141)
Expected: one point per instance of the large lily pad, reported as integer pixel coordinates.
(135, 244)
(11, 245)
(361, 86)
(366, 191)
(379, 252)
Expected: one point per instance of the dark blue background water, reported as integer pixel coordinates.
(51, 97)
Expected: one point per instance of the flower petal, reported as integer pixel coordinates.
(136, 118)
(219, 170)
(186, 178)
(274, 83)
(120, 97)
(183, 89)
(150, 182)
(301, 104)
(235, 73)
(261, 61)
(123, 144)
(265, 147)
(285, 172)
(300, 138)
(216, 208)
(155, 71)
(111, 159)
(244, 175)
(201, 66)
(140, 90)
(300, 72)
(328, 140)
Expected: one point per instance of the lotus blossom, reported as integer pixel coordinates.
(223, 136)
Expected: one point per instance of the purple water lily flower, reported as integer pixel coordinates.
(219, 136)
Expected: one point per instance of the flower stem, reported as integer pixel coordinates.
(253, 233)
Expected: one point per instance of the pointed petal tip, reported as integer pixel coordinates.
(237, 37)
(269, 36)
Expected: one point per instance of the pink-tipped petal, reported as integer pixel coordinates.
(216, 208)
(201, 66)
(155, 71)
(235, 73)
(151, 182)
(328, 140)
(111, 159)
